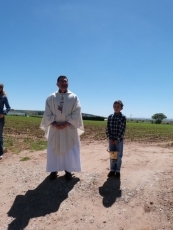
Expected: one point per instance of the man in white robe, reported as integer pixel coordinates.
(62, 123)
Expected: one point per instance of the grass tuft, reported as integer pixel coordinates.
(25, 159)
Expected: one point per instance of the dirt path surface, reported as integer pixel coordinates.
(141, 200)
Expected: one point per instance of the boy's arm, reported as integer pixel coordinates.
(108, 129)
(122, 129)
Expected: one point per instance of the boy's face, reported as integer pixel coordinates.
(117, 108)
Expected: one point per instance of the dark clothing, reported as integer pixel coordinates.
(1, 136)
(115, 165)
(116, 126)
(3, 101)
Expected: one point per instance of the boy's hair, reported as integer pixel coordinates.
(61, 76)
(118, 102)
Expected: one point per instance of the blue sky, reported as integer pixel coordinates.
(108, 49)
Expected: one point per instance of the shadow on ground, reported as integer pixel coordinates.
(43, 200)
(110, 191)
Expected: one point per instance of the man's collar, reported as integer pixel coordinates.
(59, 91)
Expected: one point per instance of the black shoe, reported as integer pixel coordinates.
(68, 175)
(53, 176)
(111, 174)
(117, 175)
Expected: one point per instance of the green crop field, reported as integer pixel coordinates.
(24, 133)
(143, 132)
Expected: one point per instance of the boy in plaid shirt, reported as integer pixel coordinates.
(115, 130)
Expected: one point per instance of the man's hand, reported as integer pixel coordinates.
(1, 115)
(62, 125)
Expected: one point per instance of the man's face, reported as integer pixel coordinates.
(117, 108)
(62, 83)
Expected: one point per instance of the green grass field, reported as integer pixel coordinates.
(24, 133)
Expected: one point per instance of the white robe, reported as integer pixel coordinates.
(63, 150)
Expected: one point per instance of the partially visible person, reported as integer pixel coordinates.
(3, 101)
(115, 131)
(62, 122)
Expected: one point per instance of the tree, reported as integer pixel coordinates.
(158, 117)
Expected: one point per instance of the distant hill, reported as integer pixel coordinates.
(39, 112)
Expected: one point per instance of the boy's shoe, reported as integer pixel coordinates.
(68, 175)
(111, 174)
(53, 176)
(117, 175)
(1, 157)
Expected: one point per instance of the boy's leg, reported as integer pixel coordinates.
(120, 155)
(113, 163)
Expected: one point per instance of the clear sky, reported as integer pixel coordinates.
(108, 49)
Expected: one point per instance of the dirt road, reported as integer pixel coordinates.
(141, 200)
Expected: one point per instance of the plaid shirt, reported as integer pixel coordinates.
(116, 126)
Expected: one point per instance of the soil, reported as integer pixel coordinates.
(141, 200)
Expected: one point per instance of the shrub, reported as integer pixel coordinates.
(97, 118)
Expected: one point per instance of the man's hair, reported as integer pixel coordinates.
(118, 102)
(61, 76)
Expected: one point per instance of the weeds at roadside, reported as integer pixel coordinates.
(25, 159)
